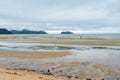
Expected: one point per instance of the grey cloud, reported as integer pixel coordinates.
(61, 14)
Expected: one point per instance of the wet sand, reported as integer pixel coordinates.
(34, 69)
(31, 54)
(96, 72)
(59, 40)
(11, 74)
(74, 42)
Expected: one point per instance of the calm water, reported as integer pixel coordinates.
(101, 54)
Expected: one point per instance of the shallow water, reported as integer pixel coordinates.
(100, 54)
(89, 61)
(50, 47)
(36, 47)
(95, 55)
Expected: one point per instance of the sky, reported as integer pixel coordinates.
(54, 16)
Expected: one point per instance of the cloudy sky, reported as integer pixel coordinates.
(79, 16)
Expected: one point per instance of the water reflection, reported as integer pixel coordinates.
(50, 47)
(95, 55)
(101, 54)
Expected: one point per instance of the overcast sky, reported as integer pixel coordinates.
(80, 16)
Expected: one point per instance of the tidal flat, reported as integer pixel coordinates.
(68, 56)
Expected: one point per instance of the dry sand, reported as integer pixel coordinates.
(6, 74)
(12, 74)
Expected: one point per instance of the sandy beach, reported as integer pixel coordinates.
(31, 54)
(25, 74)
(60, 40)
(7, 74)
(58, 65)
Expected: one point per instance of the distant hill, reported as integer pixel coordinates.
(15, 31)
(4, 31)
(66, 32)
(28, 32)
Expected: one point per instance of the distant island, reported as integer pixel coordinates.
(66, 32)
(5, 31)
(24, 31)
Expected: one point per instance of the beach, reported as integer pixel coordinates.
(75, 40)
(31, 54)
(67, 57)
(7, 74)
